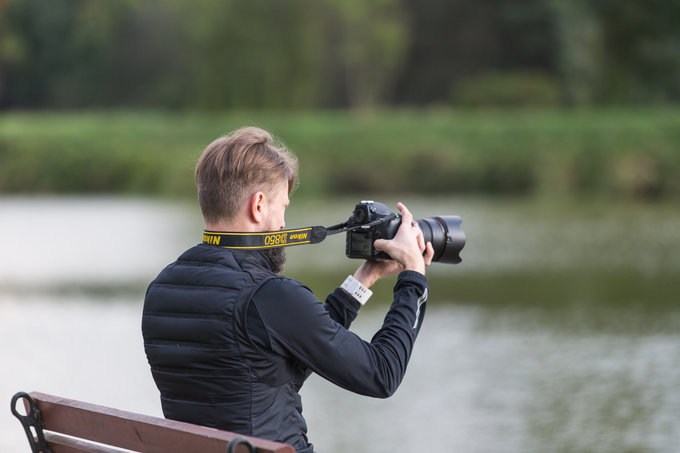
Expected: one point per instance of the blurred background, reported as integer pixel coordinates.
(552, 128)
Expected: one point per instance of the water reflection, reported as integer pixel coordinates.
(483, 381)
(83, 242)
(559, 332)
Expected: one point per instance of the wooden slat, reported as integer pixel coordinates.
(65, 444)
(138, 432)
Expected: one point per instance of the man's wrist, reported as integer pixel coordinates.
(356, 289)
(365, 276)
(416, 267)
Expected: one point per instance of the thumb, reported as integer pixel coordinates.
(379, 244)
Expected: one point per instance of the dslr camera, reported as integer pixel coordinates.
(371, 220)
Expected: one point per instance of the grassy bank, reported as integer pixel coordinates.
(618, 153)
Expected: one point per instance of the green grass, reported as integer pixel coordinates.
(627, 153)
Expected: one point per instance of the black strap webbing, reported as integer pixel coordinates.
(265, 239)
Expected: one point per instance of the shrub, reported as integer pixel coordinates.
(512, 89)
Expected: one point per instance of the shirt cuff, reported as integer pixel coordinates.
(413, 276)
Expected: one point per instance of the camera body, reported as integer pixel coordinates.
(371, 220)
(375, 221)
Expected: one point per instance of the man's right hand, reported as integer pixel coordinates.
(406, 249)
(408, 244)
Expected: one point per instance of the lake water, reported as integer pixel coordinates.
(560, 331)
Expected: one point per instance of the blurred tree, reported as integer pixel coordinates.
(641, 40)
(31, 53)
(454, 40)
(298, 53)
(334, 53)
(619, 51)
(58, 54)
(148, 62)
(579, 50)
(368, 42)
(253, 53)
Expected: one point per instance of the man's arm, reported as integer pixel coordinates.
(409, 252)
(299, 327)
(342, 307)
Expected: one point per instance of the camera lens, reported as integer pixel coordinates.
(446, 235)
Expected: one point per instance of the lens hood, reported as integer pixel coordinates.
(446, 235)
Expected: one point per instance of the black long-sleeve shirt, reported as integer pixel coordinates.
(230, 343)
(286, 319)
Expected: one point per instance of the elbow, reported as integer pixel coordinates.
(388, 377)
(386, 392)
(387, 388)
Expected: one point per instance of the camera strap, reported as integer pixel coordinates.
(265, 239)
(280, 238)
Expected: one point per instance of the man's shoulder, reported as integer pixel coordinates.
(283, 291)
(199, 265)
(281, 300)
(207, 254)
(283, 284)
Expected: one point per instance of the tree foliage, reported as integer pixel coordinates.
(217, 54)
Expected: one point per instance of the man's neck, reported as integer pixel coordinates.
(240, 225)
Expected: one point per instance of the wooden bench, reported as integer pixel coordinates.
(60, 425)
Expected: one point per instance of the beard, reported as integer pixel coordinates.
(277, 258)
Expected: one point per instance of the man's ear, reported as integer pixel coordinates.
(257, 207)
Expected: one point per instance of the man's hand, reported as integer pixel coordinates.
(406, 250)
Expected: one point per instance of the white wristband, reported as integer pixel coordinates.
(356, 289)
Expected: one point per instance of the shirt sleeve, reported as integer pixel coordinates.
(298, 326)
(342, 307)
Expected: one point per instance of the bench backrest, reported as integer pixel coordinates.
(76, 427)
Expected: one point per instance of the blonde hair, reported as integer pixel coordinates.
(234, 166)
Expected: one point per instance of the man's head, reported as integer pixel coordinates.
(235, 167)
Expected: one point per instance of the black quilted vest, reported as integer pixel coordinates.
(192, 327)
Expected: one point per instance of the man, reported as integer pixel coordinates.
(230, 342)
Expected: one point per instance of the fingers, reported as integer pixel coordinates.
(407, 222)
(371, 271)
(406, 216)
(407, 247)
(379, 244)
(420, 237)
(429, 254)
